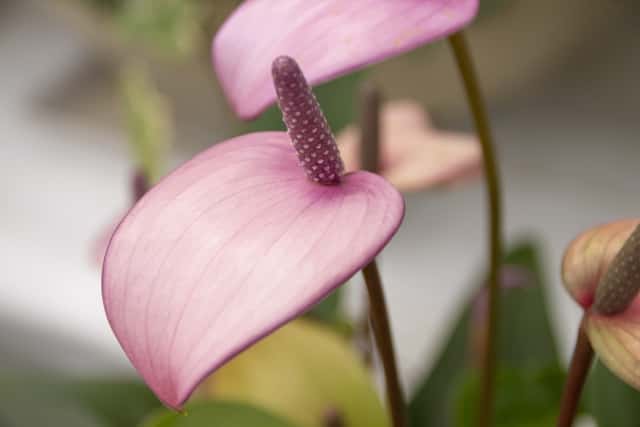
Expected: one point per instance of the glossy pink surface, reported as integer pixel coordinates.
(229, 247)
(328, 38)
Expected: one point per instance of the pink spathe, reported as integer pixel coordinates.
(328, 38)
(229, 247)
(586, 265)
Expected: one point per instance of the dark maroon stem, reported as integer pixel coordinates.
(578, 370)
(139, 186)
(494, 198)
(370, 161)
(382, 332)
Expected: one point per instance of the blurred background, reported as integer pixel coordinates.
(78, 77)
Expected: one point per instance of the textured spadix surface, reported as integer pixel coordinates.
(615, 338)
(328, 38)
(229, 247)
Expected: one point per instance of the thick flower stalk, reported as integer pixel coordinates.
(238, 241)
(601, 271)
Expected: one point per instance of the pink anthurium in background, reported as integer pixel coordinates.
(238, 241)
(413, 155)
(601, 271)
(329, 38)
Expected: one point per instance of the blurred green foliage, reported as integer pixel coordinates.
(216, 414)
(331, 313)
(303, 371)
(524, 398)
(171, 26)
(609, 400)
(149, 121)
(526, 343)
(69, 403)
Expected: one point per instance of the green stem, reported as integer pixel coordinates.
(384, 342)
(578, 370)
(477, 105)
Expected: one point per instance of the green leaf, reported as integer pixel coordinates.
(432, 403)
(303, 372)
(526, 335)
(216, 414)
(108, 403)
(524, 398)
(118, 403)
(609, 400)
(526, 341)
(329, 312)
(171, 26)
(22, 411)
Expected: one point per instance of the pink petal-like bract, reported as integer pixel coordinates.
(588, 257)
(601, 270)
(328, 38)
(229, 247)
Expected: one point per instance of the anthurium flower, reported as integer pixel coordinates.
(601, 271)
(329, 38)
(415, 156)
(286, 373)
(238, 241)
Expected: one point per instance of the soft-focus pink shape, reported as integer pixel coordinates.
(229, 247)
(512, 276)
(615, 338)
(328, 38)
(413, 155)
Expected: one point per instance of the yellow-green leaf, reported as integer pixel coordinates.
(304, 372)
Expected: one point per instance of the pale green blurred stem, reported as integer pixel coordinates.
(483, 129)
